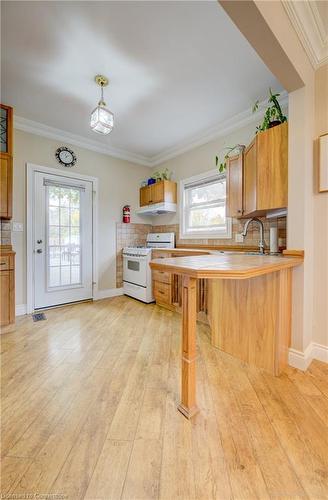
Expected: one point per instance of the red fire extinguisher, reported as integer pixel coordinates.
(126, 214)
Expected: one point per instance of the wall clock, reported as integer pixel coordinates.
(66, 156)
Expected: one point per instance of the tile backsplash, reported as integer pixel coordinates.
(135, 235)
(251, 240)
(5, 232)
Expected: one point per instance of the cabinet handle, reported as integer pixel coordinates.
(2, 263)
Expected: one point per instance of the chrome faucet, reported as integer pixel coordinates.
(260, 223)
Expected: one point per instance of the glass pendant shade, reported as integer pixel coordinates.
(102, 120)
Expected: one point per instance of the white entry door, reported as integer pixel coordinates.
(62, 236)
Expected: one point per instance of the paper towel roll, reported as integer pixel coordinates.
(274, 240)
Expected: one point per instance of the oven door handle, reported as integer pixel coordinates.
(134, 257)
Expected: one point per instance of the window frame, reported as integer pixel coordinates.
(200, 234)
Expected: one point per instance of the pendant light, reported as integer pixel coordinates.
(102, 120)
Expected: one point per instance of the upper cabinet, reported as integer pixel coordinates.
(257, 180)
(234, 176)
(6, 161)
(162, 191)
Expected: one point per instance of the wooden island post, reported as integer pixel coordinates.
(250, 306)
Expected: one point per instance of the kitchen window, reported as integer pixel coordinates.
(203, 207)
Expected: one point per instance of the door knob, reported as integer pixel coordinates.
(39, 250)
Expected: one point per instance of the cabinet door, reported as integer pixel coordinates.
(157, 192)
(6, 129)
(250, 179)
(145, 196)
(272, 168)
(7, 302)
(235, 186)
(6, 181)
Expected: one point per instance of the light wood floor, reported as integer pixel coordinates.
(89, 411)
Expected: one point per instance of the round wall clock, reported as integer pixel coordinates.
(66, 156)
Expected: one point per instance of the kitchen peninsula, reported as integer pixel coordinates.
(249, 310)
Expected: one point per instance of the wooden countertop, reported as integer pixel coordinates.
(183, 250)
(227, 266)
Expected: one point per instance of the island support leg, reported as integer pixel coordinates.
(188, 405)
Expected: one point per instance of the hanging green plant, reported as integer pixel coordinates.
(273, 115)
(162, 175)
(222, 164)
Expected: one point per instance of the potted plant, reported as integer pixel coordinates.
(163, 175)
(238, 148)
(273, 115)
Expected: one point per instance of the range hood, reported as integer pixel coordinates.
(158, 208)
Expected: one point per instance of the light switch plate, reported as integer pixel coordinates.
(239, 238)
(18, 227)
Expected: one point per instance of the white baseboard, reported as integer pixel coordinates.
(20, 309)
(302, 360)
(110, 292)
(320, 352)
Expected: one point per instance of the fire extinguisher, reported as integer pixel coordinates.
(126, 214)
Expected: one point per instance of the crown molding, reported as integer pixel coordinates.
(220, 130)
(308, 24)
(225, 127)
(37, 128)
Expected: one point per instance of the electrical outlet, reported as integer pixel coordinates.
(239, 238)
(18, 227)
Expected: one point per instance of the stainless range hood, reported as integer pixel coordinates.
(158, 208)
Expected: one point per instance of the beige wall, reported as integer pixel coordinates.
(201, 159)
(320, 311)
(119, 183)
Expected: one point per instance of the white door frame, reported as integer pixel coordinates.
(30, 170)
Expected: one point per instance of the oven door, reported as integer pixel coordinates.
(135, 270)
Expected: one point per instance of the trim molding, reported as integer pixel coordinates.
(57, 134)
(21, 309)
(221, 129)
(110, 292)
(307, 22)
(302, 360)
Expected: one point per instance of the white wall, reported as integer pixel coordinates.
(119, 183)
(320, 225)
(307, 210)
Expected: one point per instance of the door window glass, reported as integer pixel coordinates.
(63, 236)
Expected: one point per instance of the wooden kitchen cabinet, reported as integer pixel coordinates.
(167, 287)
(7, 287)
(6, 187)
(272, 168)
(158, 193)
(234, 176)
(145, 196)
(6, 159)
(257, 180)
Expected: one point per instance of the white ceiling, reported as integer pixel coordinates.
(177, 69)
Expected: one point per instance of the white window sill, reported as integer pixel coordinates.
(205, 236)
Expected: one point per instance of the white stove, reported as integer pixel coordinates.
(137, 281)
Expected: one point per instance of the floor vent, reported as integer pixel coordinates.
(38, 317)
